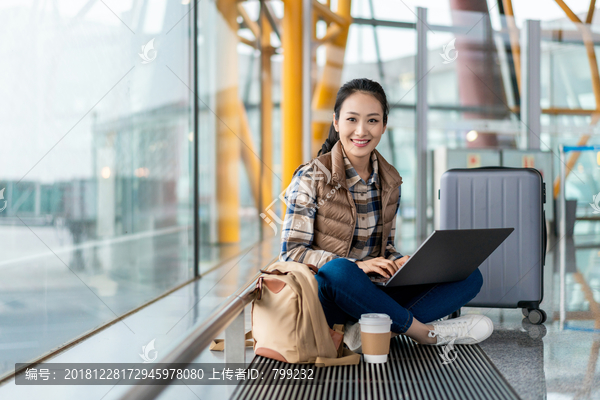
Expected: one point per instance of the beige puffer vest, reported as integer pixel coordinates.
(335, 219)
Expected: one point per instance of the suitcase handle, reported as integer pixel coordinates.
(544, 237)
(492, 167)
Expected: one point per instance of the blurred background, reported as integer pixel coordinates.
(139, 153)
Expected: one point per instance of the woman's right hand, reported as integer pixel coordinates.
(380, 265)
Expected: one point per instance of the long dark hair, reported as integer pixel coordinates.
(355, 85)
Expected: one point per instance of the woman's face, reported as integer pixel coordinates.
(361, 124)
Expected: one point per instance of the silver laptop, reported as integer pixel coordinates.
(446, 256)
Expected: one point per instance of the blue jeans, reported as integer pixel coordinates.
(346, 292)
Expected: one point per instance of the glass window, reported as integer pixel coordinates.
(96, 166)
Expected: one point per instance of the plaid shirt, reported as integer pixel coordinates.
(297, 235)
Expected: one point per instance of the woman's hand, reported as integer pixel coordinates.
(401, 261)
(380, 265)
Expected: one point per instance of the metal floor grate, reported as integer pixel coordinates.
(412, 372)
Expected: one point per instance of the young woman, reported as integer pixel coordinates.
(341, 217)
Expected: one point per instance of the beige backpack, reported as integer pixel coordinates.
(288, 322)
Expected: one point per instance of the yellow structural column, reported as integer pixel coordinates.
(291, 98)
(330, 81)
(227, 124)
(266, 116)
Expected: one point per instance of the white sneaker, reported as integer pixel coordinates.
(467, 329)
(352, 336)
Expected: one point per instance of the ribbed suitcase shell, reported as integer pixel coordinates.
(501, 197)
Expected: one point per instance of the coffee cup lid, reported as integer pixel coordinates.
(375, 319)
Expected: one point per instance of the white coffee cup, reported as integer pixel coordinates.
(375, 336)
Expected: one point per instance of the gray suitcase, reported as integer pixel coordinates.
(502, 197)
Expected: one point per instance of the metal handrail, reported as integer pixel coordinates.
(186, 350)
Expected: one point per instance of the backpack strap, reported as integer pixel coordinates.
(323, 339)
(219, 344)
(348, 358)
(310, 297)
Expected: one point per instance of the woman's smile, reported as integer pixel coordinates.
(360, 142)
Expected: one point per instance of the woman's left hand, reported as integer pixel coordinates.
(400, 262)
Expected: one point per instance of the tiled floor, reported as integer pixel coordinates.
(539, 361)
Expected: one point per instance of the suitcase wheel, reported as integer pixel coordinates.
(525, 312)
(536, 316)
(534, 331)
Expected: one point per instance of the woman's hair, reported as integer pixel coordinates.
(355, 85)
